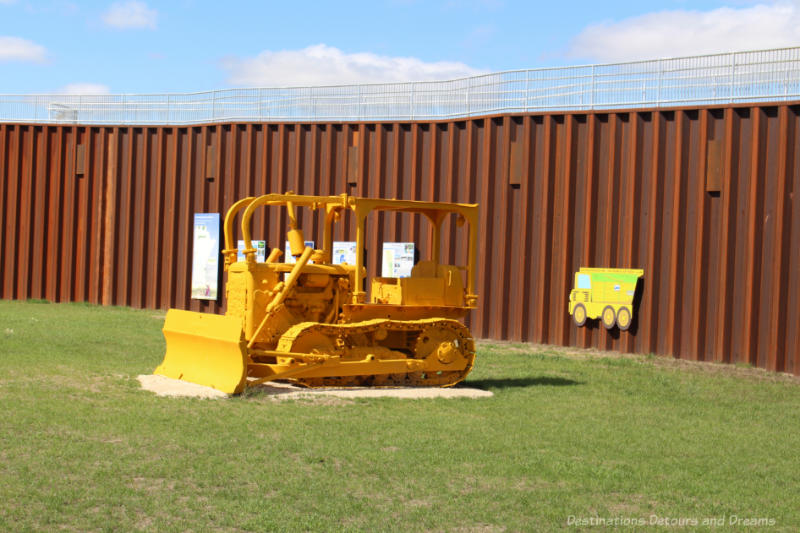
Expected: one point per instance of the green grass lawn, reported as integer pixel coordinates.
(588, 436)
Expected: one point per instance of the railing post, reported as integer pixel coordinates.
(213, 104)
(591, 95)
(527, 87)
(733, 75)
(660, 75)
(786, 85)
(411, 102)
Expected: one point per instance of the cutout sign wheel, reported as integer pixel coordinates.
(579, 315)
(609, 317)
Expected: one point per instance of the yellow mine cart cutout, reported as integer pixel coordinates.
(310, 321)
(604, 293)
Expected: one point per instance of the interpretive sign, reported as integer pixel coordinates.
(261, 250)
(288, 257)
(398, 259)
(344, 252)
(205, 256)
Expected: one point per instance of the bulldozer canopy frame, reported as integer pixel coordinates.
(435, 212)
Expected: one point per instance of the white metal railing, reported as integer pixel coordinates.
(766, 75)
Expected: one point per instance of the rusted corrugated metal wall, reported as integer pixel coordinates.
(703, 199)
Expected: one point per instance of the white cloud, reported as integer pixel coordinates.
(85, 88)
(326, 65)
(686, 33)
(130, 15)
(18, 49)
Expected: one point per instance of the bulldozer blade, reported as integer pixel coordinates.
(205, 349)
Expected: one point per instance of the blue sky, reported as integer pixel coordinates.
(136, 46)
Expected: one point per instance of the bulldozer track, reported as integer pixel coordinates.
(384, 339)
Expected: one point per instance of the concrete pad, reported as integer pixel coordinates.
(163, 386)
(411, 393)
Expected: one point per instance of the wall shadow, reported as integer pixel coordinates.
(508, 383)
(637, 303)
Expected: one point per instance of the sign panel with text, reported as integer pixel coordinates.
(205, 256)
(288, 257)
(398, 259)
(261, 250)
(344, 252)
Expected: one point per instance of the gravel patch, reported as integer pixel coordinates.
(163, 386)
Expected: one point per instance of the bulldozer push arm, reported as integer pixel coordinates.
(310, 322)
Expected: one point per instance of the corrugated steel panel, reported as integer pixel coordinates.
(704, 199)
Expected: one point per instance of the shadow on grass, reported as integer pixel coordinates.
(541, 381)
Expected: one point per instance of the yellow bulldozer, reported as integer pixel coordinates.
(309, 320)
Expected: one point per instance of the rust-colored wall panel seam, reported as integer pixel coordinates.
(755, 188)
(93, 191)
(156, 216)
(81, 222)
(11, 222)
(544, 234)
(52, 216)
(185, 193)
(38, 217)
(793, 304)
(721, 344)
(124, 216)
(780, 267)
(203, 175)
(672, 328)
(138, 209)
(631, 209)
(67, 205)
(590, 200)
(55, 218)
(170, 219)
(485, 229)
(4, 178)
(701, 244)
(393, 178)
(653, 237)
(25, 212)
(109, 168)
(500, 289)
(523, 259)
(95, 209)
(564, 270)
(611, 214)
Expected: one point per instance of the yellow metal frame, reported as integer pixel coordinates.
(435, 212)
